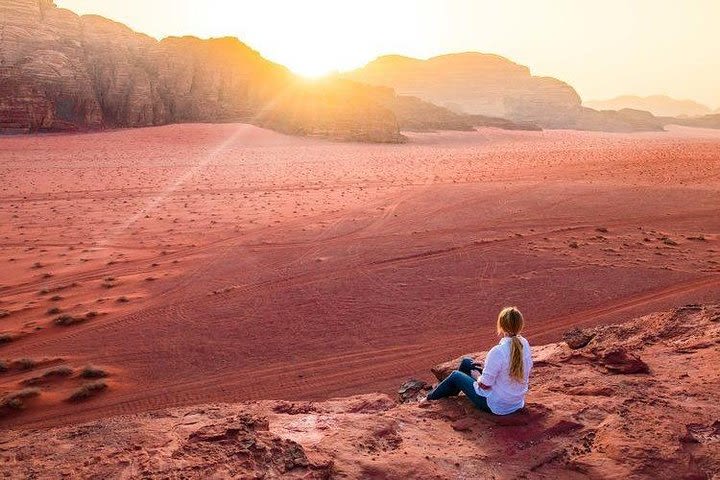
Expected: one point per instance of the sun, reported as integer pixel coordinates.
(312, 69)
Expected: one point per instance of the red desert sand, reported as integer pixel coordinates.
(192, 264)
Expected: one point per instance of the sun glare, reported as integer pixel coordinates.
(312, 69)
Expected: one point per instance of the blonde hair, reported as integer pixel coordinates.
(510, 322)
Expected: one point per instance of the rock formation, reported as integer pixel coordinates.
(706, 121)
(490, 85)
(636, 400)
(658, 105)
(60, 71)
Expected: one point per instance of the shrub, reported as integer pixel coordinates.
(57, 372)
(56, 298)
(53, 311)
(65, 320)
(91, 314)
(123, 299)
(88, 390)
(25, 363)
(16, 400)
(61, 371)
(6, 338)
(93, 372)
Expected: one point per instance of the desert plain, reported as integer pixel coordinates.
(202, 263)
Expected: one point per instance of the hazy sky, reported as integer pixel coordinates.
(603, 48)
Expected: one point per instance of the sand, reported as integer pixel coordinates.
(229, 263)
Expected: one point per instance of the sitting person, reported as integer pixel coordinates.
(500, 386)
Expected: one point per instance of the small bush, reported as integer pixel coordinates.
(122, 299)
(16, 400)
(91, 314)
(93, 372)
(65, 320)
(57, 372)
(88, 390)
(56, 298)
(25, 364)
(53, 311)
(6, 338)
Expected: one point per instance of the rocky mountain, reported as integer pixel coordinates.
(658, 105)
(61, 71)
(491, 85)
(637, 400)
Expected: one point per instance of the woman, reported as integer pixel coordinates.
(501, 385)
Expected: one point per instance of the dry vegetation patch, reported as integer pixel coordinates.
(16, 400)
(87, 391)
(91, 371)
(66, 320)
(51, 374)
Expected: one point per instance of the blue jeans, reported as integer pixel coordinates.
(458, 381)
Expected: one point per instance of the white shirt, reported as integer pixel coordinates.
(506, 394)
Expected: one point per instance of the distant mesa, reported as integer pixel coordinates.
(658, 105)
(491, 85)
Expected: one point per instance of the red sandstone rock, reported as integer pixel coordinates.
(90, 72)
(656, 426)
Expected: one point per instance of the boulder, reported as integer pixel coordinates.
(412, 390)
(577, 338)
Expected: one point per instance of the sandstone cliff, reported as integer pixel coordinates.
(637, 400)
(490, 85)
(60, 71)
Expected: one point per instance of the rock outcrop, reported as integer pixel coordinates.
(706, 121)
(61, 71)
(490, 85)
(637, 400)
(658, 105)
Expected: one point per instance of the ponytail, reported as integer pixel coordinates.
(510, 322)
(516, 359)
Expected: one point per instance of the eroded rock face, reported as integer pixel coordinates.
(61, 71)
(490, 85)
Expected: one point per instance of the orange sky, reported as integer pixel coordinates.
(603, 48)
